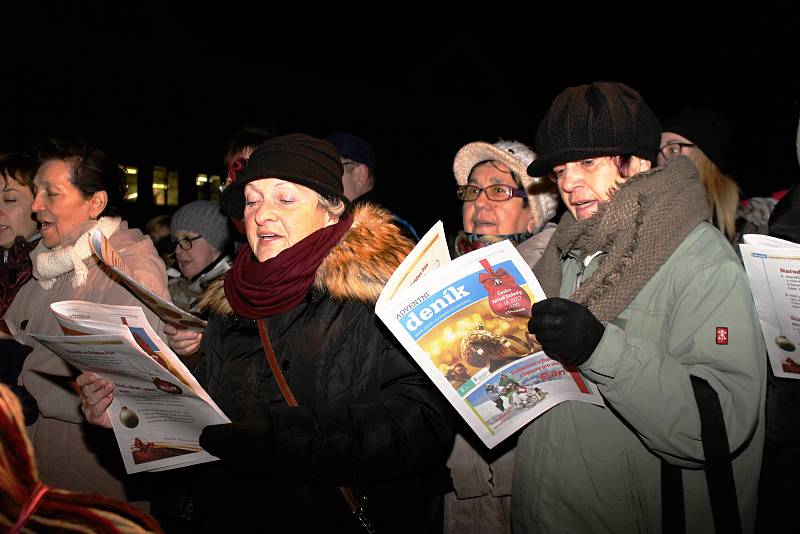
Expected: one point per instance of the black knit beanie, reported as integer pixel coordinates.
(600, 119)
(297, 158)
(707, 128)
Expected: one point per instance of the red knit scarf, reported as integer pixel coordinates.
(261, 289)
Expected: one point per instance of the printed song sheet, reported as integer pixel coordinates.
(159, 408)
(167, 311)
(773, 269)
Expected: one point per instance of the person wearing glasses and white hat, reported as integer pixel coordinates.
(500, 202)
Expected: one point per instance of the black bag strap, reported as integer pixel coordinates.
(673, 519)
(719, 470)
(356, 506)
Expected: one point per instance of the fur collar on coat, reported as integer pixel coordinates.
(356, 268)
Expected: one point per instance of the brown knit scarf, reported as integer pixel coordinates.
(646, 219)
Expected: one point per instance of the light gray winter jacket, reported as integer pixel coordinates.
(585, 468)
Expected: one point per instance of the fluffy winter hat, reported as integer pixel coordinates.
(296, 158)
(543, 201)
(205, 219)
(709, 129)
(600, 119)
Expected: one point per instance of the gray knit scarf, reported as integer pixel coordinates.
(642, 224)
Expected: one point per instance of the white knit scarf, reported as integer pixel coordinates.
(52, 263)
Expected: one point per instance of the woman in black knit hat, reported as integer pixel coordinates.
(704, 136)
(647, 300)
(366, 417)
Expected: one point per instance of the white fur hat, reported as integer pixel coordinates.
(517, 156)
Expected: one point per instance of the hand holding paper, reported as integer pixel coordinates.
(96, 396)
(183, 341)
(567, 331)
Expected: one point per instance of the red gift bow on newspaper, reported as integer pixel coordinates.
(514, 301)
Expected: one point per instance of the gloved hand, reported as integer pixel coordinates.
(240, 445)
(30, 408)
(567, 331)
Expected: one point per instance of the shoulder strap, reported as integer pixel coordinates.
(352, 502)
(673, 514)
(719, 471)
(273, 364)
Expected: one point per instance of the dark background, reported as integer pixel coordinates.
(168, 83)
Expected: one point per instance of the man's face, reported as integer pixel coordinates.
(353, 178)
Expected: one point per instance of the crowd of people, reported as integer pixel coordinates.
(630, 227)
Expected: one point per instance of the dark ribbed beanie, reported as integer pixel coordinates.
(707, 128)
(600, 119)
(296, 158)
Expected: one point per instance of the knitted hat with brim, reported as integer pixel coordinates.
(542, 199)
(296, 158)
(600, 119)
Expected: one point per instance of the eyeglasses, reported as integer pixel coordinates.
(670, 150)
(185, 242)
(498, 192)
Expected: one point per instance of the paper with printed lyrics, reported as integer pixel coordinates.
(465, 322)
(167, 311)
(773, 270)
(159, 408)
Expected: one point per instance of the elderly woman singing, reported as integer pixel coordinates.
(366, 418)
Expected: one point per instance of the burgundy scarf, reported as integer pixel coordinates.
(15, 271)
(261, 289)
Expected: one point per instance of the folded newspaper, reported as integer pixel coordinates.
(773, 269)
(159, 409)
(465, 322)
(166, 310)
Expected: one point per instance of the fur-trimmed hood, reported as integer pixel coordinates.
(356, 268)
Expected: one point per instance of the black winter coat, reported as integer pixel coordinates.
(368, 419)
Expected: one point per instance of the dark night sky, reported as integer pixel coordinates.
(168, 83)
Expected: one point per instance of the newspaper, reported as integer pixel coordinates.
(159, 408)
(773, 269)
(465, 322)
(167, 311)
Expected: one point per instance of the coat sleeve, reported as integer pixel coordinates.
(647, 379)
(404, 428)
(51, 380)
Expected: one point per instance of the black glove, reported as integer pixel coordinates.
(240, 445)
(567, 331)
(30, 408)
(14, 354)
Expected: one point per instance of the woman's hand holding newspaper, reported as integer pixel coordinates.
(96, 395)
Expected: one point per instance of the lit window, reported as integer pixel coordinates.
(214, 183)
(207, 186)
(165, 186)
(172, 188)
(131, 178)
(160, 185)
